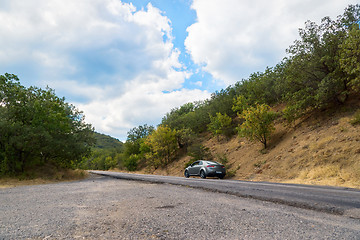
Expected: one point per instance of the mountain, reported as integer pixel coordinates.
(106, 142)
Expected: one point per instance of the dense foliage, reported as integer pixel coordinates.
(103, 141)
(323, 68)
(37, 127)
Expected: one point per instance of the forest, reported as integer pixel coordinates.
(321, 71)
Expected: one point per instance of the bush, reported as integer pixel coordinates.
(356, 118)
(221, 125)
(131, 163)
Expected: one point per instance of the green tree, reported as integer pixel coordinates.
(258, 123)
(136, 136)
(37, 127)
(240, 103)
(314, 74)
(220, 125)
(184, 137)
(350, 57)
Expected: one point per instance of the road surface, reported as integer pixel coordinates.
(108, 208)
(336, 200)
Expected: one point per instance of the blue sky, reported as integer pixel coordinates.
(127, 63)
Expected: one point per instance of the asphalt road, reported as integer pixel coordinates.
(108, 208)
(335, 200)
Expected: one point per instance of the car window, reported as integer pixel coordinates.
(216, 163)
(200, 162)
(194, 164)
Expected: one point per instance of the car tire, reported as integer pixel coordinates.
(186, 173)
(202, 174)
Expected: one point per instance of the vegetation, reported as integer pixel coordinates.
(103, 141)
(221, 125)
(356, 118)
(38, 128)
(162, 144)
(258, 123)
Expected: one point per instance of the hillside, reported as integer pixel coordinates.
(106, 142)
(322, 149)
(316, 88)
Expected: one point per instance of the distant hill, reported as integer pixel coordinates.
(107, 142)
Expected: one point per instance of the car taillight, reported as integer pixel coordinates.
(223, 166)
(210, 166)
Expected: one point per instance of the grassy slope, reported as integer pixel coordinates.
(322, 149)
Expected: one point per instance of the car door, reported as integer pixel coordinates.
(197, 167)
(194, 168)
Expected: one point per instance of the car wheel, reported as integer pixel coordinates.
(187, 175)
(202, 174)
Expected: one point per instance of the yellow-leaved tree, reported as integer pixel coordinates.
(163, 145)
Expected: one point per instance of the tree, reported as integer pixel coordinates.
(139, 132)
(184, 137)
(350, 57)
(136, 136)
(220, 125)
(258, 123)
(37, 127)
(240, 103)
(162, 144)
(316, 75)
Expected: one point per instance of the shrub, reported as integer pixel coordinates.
(356, 119)
(131, 162)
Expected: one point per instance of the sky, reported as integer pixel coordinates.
(126, 63)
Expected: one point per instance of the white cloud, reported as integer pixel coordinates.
(116, 63)
(233, 38)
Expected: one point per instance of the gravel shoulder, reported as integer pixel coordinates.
(107, 208)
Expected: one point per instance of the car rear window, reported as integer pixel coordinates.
(214, 163)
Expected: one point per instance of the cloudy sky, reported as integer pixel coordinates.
(126, 63)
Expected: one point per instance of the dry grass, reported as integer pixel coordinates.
(60, 176)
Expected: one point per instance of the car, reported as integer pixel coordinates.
(205, 169)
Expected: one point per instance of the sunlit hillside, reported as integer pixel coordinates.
(322, 149)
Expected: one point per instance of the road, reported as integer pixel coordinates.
(335, 200)
(104, 207)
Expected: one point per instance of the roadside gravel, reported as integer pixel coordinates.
(107, 208)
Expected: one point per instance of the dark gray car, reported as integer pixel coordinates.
(205, 169)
